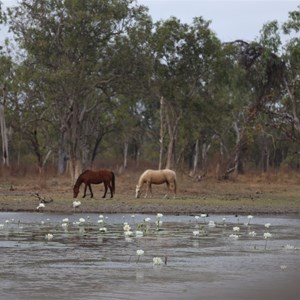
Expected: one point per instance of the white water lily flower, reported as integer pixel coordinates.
(203, 215)
(100, 221)
(140, 252)
(234, 236)
(49, 236)
(196, 232)
(147, 220)
(252, 233)
(159, 215)
(267, 225)
(267, 235)
(81, 220)
(211, 223)
(283, 267)
(100, 216)
(103, 229)
(126, 227)
(128, 233)
(289, 247)
(250, 217)
(197, 217)
(64, 225)
(236, 228)
(158, 223)
(157, 261)
(1, 226)
(139, 233)
(66, 220)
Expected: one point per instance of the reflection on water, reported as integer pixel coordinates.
(55, 256)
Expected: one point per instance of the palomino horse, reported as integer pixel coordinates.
(150, 177)
(89, 177)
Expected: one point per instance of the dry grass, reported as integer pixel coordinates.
(271, 193)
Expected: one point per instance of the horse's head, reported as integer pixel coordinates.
(137, 192)
(75, 191)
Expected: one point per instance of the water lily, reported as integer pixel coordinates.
(289, 247)
(211, 223)
(126, 227)
(267, 225)
(147, 219)
(128, 233)
(81, 221)
(157, 261)
(64, 225)
(100, 221)
(197, 217)
(283, 267)
(236, 228)
(66, 220)
(234, 236)
(100, 216)
(252, 233)
(140, 252)
(49, 236)
(267, 235)
(139, 233)
(196, 232)
(103, 229)
(159, 215)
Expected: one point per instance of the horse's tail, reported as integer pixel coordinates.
(175, 184)
(113, 182)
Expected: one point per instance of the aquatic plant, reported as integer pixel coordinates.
(234, 236)
(267, 235)
(157, 261)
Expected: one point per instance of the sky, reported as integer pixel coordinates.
(230, 20)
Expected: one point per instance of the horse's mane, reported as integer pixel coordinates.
(79, 180)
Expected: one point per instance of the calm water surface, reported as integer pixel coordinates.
(81, 262)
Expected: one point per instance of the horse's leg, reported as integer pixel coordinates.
(111, 190)
(148, 185)
(84, 192)
(105, 187)
(168, 188)
(150, 189)
(90, 187)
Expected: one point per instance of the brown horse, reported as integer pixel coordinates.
(89, 177)
(156, 177)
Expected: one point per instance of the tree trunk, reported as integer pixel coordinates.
(5, 153)
(172, 125)
(125, 159)
(195, 157)
(161, 138)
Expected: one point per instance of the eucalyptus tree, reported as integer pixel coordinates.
(183, 56)
(283, 110)
(68, 43)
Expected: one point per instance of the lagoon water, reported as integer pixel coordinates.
(81, 262)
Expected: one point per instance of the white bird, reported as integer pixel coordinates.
(41, 205)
